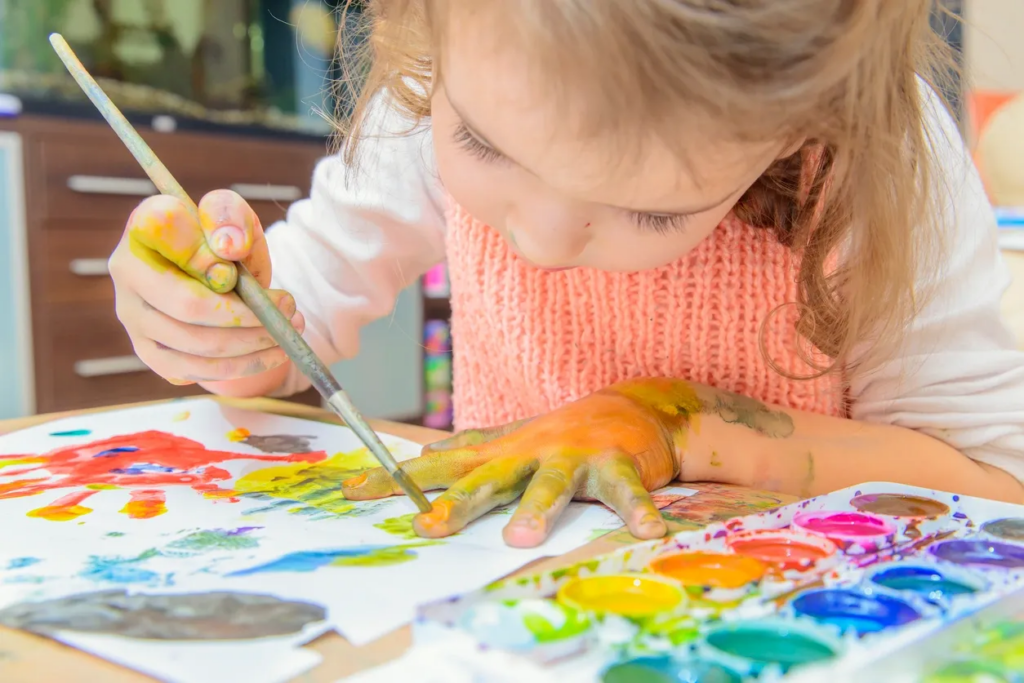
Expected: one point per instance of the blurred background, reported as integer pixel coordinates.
(235, 94)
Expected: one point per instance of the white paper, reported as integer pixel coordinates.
(360, 564)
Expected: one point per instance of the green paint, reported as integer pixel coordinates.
(597, 533)
(970, 671)
(384, 557)
(715, 462)
(1003, 643)
(923, 585)
(664, 669)
(115, 534)
(770, 644)
(399, 526)
(546, 632)
(214, 539)
(678, 630)
(72, 432)
(573, 570)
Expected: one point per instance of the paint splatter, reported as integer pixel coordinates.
(120, 569)
(145, 504)
(398, 526)
(181, 616)
(311, 560)
(238, 434)
(715, 503)
(72, 432)
(208, 540)
(314, 485)
(182, 416)
(63, 509)
(149, 459)
(715, 460)
(274, 443)
(22, 562)
(115, 534)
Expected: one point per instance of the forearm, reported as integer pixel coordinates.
(719, 436)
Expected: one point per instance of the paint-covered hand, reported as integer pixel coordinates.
(173, 278)
(610, 446)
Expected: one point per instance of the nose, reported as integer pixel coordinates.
(548, 232)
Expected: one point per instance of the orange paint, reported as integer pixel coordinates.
(439, 514)
(64, 509)
(239, 435)
(781, 548)
(711, 570)
(145, 503)
(636, 596)
(355, 482)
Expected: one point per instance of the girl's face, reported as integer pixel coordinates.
(508, 155)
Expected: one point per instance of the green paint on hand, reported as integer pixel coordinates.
(715, 462)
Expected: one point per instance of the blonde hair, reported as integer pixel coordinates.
(842, 74)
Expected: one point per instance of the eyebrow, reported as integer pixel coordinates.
(475, 132)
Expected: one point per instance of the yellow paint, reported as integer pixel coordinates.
(102, 487)
(634, 596)
(21, 461)
(143, 509)
(216, 494)
(59, 513)
(238, 435)
(711, 570)
(314, 484)
(182, 416)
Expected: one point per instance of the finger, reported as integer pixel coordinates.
(549, 491)
(209, 342)
(183, 366)
(432, 471)
(474, 437)
(498, 482)
(234, 233)
(617, 484)
(167, 227)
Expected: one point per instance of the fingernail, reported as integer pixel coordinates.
(299, 322)
(226, 240)
(355, 482)
(219, 275)
(287, 305)
(529, 522)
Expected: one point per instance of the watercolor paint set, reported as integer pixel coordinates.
(839, 587)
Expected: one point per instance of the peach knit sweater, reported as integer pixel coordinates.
(528, 340)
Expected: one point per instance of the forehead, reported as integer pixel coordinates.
(541, 118)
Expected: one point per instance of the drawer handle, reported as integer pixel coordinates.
(267, 193)
(94, 184)
(89, 267)
(115, 365)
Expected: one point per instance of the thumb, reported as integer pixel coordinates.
(234, 232)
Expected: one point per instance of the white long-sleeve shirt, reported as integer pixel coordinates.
(348, 250)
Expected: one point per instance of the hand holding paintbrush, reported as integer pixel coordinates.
(221, 277)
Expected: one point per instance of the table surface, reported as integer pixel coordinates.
(28, 658)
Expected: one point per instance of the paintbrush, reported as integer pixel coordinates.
(247, 287)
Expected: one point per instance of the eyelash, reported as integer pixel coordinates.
(660, 223)
(468, 142)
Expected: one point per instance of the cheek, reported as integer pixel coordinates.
(474, 185)
(625, 247)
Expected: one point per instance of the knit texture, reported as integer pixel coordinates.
(528, 340)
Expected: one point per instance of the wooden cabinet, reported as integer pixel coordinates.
(81, 184)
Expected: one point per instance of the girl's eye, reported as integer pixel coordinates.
(660, 222)
(469, 142)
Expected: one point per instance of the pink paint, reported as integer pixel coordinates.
(852, 531)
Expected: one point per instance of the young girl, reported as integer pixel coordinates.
(688, 239)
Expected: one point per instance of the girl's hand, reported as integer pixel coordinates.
(610, 446)
(173, 278)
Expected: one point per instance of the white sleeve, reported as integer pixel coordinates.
(959, 376)
(347, 251)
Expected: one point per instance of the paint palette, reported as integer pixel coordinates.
(838, 587)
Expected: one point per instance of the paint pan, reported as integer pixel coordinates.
(667, 669)
(855, 532)
(784, 550)
(934, 584)
(1007, 529)
(916, 515)
(527, 625)
(633, 596)
(971, 671)
(720, 578)
(754, 646)
(980, 553)
(850, 610)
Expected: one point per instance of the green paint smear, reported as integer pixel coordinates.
(677, 630)
(73, 432)
(399, 526)
(972, 671)
(572, 571)
(546, 632)
(382, 558)
(785, 648)
(115, 534)
(214, 539)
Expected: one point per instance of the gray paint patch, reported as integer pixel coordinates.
(183, 616)
(280, 443)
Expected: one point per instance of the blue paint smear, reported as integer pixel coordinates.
(115, 451)
(929, 583)
(120, 569)
(981, 553)
(145, 468)
(21, 562)
(73, 432)
(308, 560)
(850, 610)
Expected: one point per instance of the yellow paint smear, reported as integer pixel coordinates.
(102, 487)
(316, 485)
(238, 435)
(182, 416)
(59, 513)
(21, 461)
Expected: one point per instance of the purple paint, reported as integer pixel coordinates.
(959, 515)
(980, 553)
(850, 610)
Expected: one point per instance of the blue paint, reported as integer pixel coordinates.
(959, 515)
(850, 610)
(115, 451)
(308, 560)
(21, 562)
(73, 432)
(114, 569)
(980, 553)
(927, 582)
(146, 468)
(956, 499)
